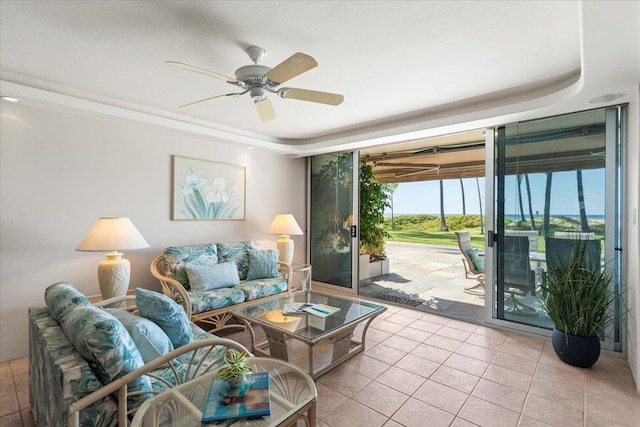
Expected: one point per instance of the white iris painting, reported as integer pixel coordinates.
(205, 190)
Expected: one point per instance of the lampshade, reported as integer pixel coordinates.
(285, 225)
(113, 234)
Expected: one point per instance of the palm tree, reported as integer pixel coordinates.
(443, 220)
(480, 202)
(526, 181)
(547, 205)
(519, 177)
(391, 188)
(584, 224)
(464, 208)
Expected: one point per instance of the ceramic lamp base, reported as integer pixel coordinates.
(113, 275)
(285, 247)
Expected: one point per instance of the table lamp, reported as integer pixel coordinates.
(113, 234)
(285, 225)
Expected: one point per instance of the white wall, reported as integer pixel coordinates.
(632, 236)
(61, 170)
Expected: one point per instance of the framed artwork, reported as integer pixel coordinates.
(206, 190)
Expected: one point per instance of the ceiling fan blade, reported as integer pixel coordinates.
(201, 71)
(311, 96)
(295, 65)
(213, 98)
(265, 110)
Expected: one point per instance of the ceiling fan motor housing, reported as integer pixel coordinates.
(252, 74)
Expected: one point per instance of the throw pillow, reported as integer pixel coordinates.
(151, 341)
(263, 264)
(167, 314)
(237, 252)
(107, 346)
(476, 259)
(61, 298)
(207, 277)
(176, 257)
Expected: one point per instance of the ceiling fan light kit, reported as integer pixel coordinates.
(258, 80)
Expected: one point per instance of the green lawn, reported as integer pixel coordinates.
(424, 229)
(442, 238)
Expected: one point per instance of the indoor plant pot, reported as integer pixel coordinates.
(235, 369)
(577, 295)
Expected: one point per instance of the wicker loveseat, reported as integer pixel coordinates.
(91, 366)
(259, 276)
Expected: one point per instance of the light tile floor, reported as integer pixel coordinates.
(420, 369)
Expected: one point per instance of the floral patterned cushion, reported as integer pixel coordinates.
(150, 339)
(263, 264)
(61, 298)
(58, 376)
(177, 257)
(167, 314)
(207, 277)
(106, 345)
(237, 252)
(202, 301)
(255, 289)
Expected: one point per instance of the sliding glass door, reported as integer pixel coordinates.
(555, 178)
(334, 217)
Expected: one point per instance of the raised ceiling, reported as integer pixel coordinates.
(409, 70)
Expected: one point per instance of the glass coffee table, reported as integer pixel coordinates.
(292, 396)
(337, 328)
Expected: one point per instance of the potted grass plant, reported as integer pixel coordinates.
(577, 294)
(235, 369)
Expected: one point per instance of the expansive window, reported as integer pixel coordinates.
(555, 178)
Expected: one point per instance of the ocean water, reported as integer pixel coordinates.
(513, 217)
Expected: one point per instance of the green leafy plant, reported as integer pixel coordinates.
(373, 200)
(577, 293)
(235, 366)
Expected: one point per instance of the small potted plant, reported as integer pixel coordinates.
(235, 369)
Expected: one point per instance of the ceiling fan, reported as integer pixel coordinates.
(259, 80)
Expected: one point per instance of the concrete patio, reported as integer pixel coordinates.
(433, 274)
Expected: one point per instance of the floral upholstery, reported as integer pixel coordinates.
(166, 313)
(260, 288)
(177, 257)
(237, 252)
(104, 342)
(59, 375)
(202, 301)
(61, 298)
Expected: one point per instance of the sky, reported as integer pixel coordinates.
(424, 197)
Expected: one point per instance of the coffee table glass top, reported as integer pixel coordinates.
(304, 325)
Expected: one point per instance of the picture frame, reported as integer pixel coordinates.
(204, 190)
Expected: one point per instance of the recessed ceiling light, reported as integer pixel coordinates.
(9, 98)
(606, 98)
(250, 148)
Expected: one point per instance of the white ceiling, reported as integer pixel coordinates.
(407, 69)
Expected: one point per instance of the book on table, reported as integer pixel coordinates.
(249, 400)
(321, 310)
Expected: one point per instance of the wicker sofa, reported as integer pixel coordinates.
(259, 276)
(86, 368)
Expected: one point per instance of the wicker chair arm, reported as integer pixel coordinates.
(171, 287)
(120, 385)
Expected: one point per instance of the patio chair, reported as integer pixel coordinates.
(471, 259)
(519, 278)
(561, 250)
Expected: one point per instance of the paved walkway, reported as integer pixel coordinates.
(432, 274)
